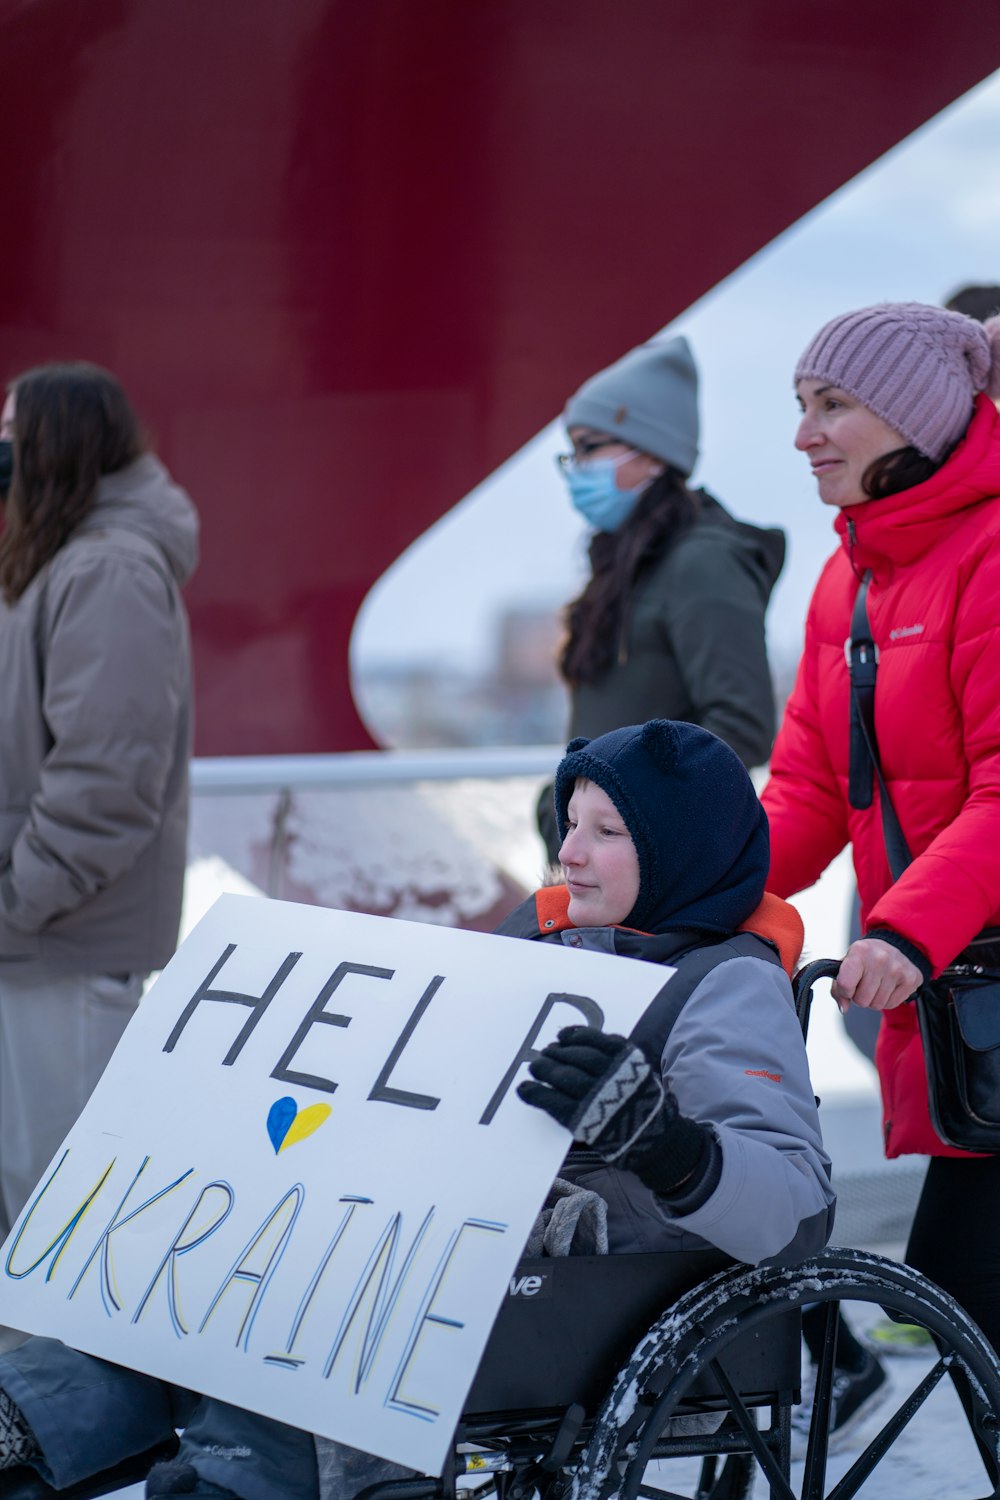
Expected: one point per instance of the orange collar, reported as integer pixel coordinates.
(551, 908)
(779, 923)
(774, 920)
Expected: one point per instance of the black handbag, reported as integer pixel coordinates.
(959, 1013)
(959, 1016)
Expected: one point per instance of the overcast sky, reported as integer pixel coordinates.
(920, 222)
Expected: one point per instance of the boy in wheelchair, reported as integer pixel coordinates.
(700, 1130)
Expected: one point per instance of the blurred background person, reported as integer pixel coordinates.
(95, 735)
(975, 301)
(670, 624)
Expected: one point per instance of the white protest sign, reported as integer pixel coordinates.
(304, 1181)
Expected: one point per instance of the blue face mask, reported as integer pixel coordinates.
(593, 492)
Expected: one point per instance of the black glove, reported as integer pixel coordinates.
(604, 1090)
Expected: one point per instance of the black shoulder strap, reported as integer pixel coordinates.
(658, 1019)
(862, 659)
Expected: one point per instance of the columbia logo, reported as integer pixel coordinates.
(904, 630)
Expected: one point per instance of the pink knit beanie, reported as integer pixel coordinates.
(917, 367)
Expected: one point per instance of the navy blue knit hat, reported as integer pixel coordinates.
(695, 820)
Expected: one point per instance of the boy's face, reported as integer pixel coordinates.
(600, 865)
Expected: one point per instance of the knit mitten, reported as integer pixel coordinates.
(18, 1444)
(606, 1092)
(179, 1478)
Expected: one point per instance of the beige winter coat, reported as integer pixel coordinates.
(95, 732)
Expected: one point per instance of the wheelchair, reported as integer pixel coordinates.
(617, 1373)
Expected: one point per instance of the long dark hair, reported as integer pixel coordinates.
(72, 424)
(595, 621)
(900, 470)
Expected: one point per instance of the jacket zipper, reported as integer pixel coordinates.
(852, 542)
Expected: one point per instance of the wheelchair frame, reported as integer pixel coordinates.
(715, 1375)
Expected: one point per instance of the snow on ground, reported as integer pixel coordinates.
(936, 1457)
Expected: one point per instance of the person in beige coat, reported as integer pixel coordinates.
(95, 731)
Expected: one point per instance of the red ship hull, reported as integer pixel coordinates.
(348, 257)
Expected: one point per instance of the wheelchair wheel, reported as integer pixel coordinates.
(637, 1442)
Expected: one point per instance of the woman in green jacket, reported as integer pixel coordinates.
(671, 621)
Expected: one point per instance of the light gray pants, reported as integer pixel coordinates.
(57, 1033)
(344, 1472)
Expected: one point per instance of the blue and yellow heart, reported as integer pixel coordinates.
(287, 1124)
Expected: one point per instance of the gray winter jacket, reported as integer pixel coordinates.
(95, 736)
(731, 1050)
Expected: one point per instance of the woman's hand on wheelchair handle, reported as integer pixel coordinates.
(875, 975)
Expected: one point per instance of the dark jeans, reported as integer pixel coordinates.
(88, 1415)
(955, 1237)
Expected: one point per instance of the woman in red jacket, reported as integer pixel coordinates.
(904, 441)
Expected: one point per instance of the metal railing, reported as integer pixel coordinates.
(443, 834)
(247, 774)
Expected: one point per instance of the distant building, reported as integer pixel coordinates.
(517, 698)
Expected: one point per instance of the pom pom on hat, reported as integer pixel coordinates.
(917, 367)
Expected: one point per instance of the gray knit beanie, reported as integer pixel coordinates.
(648, 398)
(917, 367)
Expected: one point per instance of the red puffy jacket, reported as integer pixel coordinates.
(934, 607)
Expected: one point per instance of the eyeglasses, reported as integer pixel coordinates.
(585, 450)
